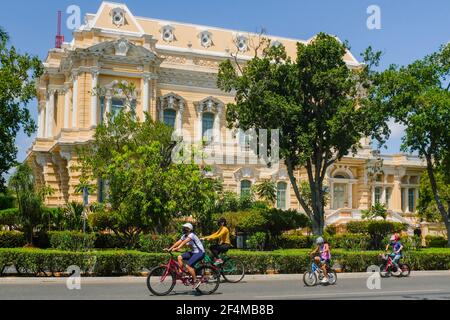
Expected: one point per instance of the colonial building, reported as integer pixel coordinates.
(174, 67)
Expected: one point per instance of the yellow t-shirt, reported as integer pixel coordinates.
(223, 234)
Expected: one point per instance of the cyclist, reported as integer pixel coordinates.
(223, 234)
(397, 248)
(323, 249)
(192, 257)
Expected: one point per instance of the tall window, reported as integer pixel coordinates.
(411, 200)
(245, 141)
(377, 197)
(281, 195)
(170, 116)
(245, 187)
(388, 197)
(103, 189)
(339, 195)
(117, 106)
(208, 127)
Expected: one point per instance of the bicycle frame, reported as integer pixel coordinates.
(173, 266)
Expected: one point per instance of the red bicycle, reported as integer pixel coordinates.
(387, 268)
(161, 280)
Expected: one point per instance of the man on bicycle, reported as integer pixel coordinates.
(192, 257)
(397, 248)
(223, 234)
(323, 249)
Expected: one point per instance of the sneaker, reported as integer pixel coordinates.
(196, 284)
(218, 262)
(324, 280)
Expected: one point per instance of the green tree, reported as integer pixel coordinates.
(30, 200)
(146, 190)
(267, 190)
(427, 208)
(18, 73)
(316, 101)
(419, 97)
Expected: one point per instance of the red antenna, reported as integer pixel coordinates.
(59, 37)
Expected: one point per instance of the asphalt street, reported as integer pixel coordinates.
(419, 286)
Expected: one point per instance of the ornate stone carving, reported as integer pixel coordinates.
(118, 16)
(122, 46)
(205, 39)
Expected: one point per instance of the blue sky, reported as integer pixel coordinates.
(409, 30)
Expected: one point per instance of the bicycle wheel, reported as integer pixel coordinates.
(332, 277)
(210, 280)
(385, 272)
(161, 283)
(405, 269)
(233, 271)
(310, 278)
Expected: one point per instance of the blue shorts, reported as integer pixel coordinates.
(193, 258)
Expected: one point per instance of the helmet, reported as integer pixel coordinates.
(188, 226)
(394, 237)
(320, 240)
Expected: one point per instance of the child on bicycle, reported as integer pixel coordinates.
(324, 258)
(397, 248)
(192, 257)
(223, 234)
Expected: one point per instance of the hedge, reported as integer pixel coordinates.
(12, 239)
(341, 241)
(113, 263)
(436, 242)
(71, 241)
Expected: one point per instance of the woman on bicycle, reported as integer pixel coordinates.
(223, 234)
(192, 257)
(323, 249)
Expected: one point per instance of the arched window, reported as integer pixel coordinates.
(208, 127)
(170, 116)
(339, 195)
(245, 187)
(281, 195)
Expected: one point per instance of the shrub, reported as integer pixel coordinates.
(331, 229)
(7, 201)
(9, 218)
(257, 241)
(293, 241)
(354, 242)
(156, 243)
(109, 241)
(380, 229)
(358, 226)
(436, 241)
(12, 239)
(71, 241)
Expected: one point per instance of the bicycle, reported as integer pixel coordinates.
(387, 268)
(166, 276)
(313, 276)
(233, 271)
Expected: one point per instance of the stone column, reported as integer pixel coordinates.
(66, 107)
(41, 119)
(75, 99)
(396, 196)
(146, 95)
(94, 97)
(50, 112)
(179, 119)
(350, 195)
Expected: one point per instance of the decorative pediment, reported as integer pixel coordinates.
(209, 104)
(281, 175)
(172, 101)
(246, 173)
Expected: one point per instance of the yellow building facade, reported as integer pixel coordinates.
(174, 67)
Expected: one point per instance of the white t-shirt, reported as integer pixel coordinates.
(195, 242)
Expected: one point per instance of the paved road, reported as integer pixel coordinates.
(420, 285)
